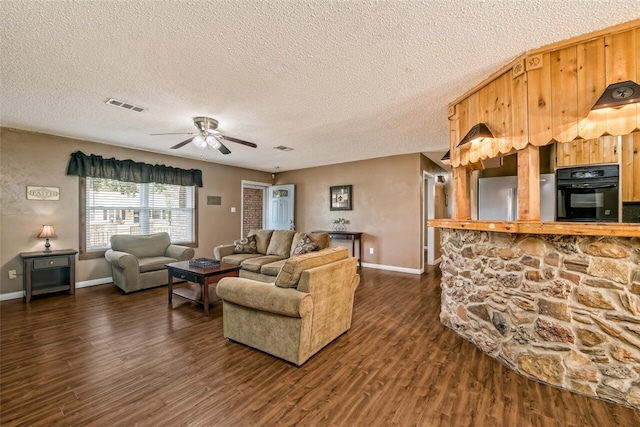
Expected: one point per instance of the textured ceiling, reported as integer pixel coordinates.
(336, 81)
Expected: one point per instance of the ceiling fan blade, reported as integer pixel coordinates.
(173, 133)
(239, 141)
(182, 144)
(223, 149)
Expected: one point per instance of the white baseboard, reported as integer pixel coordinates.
(94, 282)
(11, 295)
(392, 268)
(84, 284)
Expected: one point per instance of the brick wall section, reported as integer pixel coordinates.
(564, 310)
(252, 215)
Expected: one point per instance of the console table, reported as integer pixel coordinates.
(347, 235)
(46, 272)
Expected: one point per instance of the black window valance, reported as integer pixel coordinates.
(130, 171)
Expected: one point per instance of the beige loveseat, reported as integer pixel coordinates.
(271, 250)
(309, 305)
(138, 262)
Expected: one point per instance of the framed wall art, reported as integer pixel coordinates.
(341, 198)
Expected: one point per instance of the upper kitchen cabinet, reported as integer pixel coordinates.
(587, 151)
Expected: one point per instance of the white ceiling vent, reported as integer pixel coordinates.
(283, 148)
(125, 105)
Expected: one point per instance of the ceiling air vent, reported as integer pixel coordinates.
(125, 105)
(283, 148)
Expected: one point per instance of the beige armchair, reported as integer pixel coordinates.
(309, 305)
(138, 262)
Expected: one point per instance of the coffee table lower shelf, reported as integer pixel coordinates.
(201, 278)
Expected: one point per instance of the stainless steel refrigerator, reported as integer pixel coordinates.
(498, 198)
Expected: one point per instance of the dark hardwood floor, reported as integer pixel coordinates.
(102, 358)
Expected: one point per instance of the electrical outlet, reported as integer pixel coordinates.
(233, 210)
(371, 251)
(12, 274)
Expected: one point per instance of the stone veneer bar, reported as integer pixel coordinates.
(560, 309)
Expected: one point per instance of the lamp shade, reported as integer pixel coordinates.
(618, 95)
(47, 232)
(477, 131)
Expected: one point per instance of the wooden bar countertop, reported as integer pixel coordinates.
(537, 227)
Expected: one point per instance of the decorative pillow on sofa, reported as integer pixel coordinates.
(247, 245)
(305, 245)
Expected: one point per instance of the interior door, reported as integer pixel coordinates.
(280, 205)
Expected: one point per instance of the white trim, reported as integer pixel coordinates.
(94, 282)
(392, 268)
(84, 284)
(12, 295)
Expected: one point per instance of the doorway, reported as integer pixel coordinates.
(266, 206)
(428, 212)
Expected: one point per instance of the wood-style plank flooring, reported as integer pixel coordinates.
(103, 358)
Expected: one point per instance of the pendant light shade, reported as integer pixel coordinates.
(618, 95)
(476, 132)
(446, 159)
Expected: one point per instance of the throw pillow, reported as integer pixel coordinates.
(305, 245)
(247, 245)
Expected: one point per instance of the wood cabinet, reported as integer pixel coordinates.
(630, 168)
(587, 151)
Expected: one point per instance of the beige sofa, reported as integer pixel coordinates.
(138, 262)
(273, 247)
(309, 305)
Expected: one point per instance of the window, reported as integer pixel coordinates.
(115, 207)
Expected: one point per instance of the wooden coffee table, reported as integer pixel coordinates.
(202, 276)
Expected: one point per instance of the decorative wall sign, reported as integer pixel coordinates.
(214, 200)
(341, 198)
(43, 193)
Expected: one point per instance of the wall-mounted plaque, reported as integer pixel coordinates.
(214, 200)
(43, 193)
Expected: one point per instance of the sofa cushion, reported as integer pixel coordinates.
(280, 243)
(248, 245)
(294, 266)
(306, 244)
(154, 263)
(237, 259)
(255, 264)
(273, 268)
(322, 239)
(151, 245)
(262, 239)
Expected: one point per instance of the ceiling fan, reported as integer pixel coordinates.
(207, 135)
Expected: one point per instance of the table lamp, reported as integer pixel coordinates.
(47, 232)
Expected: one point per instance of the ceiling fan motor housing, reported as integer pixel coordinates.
(205, 123)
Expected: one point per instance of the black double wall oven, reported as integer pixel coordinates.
(588, 193)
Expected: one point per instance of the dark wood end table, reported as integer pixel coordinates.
(202, 276)
(48, 272)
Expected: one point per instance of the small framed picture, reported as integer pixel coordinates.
(341, 198)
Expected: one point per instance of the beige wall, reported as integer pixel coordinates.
(38, 159)
(387, 204)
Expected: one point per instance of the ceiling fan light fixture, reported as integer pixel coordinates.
(618, 95)
(213, 140)
(200, 142)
